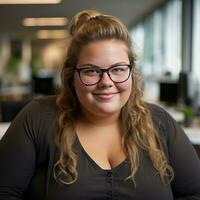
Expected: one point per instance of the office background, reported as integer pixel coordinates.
(165, 36)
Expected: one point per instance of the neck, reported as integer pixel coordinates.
(98, 121)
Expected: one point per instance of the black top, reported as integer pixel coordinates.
(27, 155)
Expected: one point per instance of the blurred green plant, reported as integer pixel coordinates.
(35, 64)
(188, 111)
(12, 65)
(188, 115)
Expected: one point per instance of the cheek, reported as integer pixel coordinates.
(80, 88)
(126, 86)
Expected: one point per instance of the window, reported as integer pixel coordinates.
(157, 41)
(196, 40)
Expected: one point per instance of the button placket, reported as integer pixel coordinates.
(109, 184)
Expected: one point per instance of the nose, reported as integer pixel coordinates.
(105, 81)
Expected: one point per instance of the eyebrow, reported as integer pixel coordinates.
(87, 65)
(93, 65)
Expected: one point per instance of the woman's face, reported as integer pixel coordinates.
(106, 97)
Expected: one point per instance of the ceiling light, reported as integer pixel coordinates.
(29, 1)
(52, 21)
(51, 34)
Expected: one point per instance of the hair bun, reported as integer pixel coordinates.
(81, 18)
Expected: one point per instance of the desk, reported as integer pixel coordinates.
(15, 92)
(3, 128)
(193, 134)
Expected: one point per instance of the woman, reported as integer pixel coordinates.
(97, 139)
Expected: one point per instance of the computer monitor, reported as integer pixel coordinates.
(10, 108)
(169, 92)
(43, 85)
(185, 88)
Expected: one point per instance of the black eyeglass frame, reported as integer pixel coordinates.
(80, 68)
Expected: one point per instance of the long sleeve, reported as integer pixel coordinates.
(18, 153)
(184, 160)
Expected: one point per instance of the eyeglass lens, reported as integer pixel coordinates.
(90, 75)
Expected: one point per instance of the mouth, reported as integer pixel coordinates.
(105, 95)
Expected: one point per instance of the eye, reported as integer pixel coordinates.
(90, 71)
(118, 70)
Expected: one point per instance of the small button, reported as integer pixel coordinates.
(108, 181)
(109, 174)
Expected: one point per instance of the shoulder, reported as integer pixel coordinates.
(46, 101)
(38, 113)
(157, 112)
(37, 119)
(43, 105)
(162, 120)
(155, 109)
(165, 124)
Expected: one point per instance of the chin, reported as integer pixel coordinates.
(108, 110)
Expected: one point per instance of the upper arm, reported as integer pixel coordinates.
(184, 161)
(18, 153)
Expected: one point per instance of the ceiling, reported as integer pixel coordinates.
(129, 11)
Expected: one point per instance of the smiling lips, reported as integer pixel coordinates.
(105, 96)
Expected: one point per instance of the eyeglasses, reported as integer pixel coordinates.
(91, 74)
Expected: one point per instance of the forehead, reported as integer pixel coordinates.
(103, 53)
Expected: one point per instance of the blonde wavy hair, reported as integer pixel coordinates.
(138, 129)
